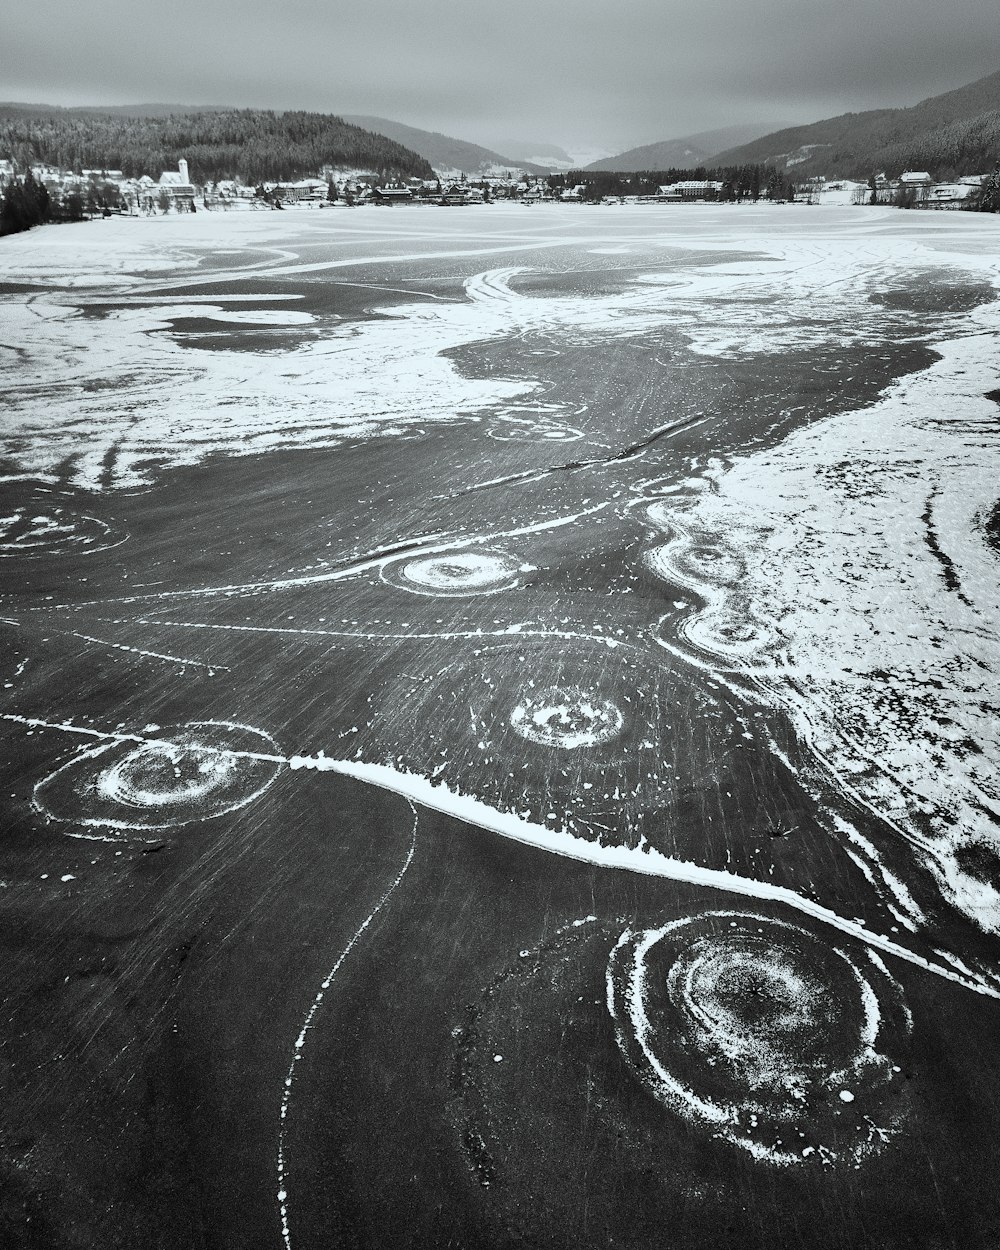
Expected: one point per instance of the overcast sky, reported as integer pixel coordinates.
(592, 74)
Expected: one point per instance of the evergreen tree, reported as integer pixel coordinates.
(905, 197)
(25, 204)
(988, 200)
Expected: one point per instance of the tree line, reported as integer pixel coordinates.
(26, 202)
(987, 200)
(965, 147)
(949, 136)
(739, 182)
(249, 144)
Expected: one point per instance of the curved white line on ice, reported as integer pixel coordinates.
(648, 862)
(517, 630)
(432, 545)
(300, 1041)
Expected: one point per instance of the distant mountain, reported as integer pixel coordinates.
(715, 141)
(443, 152)
(542, 152)
(251, 144)
(554, 158)
(688, 153)
(946, 135)
(669, 154)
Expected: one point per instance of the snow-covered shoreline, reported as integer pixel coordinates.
(865, 551)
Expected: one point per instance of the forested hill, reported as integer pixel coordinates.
(246, 143)
(444, 152)
(946, 135)
(685, 153)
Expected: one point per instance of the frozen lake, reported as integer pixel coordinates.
(500, 728)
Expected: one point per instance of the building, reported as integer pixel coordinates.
(692, 189)
(461, 193)
(305, 190)
(392, 195)
(177, 187)
(947, 194)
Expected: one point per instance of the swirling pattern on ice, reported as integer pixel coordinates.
(778, 1043)
(166, 777)
(459, 573)
(42, 528)
(567, 717)
(725, 628)
(532, 423)
(552, 724)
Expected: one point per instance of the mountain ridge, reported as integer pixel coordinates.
(956, 132)
(252, 144)
(442, 152)
(688, 152)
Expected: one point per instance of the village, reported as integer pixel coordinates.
(110, 191)
(107, 192)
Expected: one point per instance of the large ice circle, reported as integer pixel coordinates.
(44, 529)
(771, 1040)
(541, 431)
(460, 573)
(163, 773)
(728, 634)
(567, 717)
(185, 773)
(701, 567)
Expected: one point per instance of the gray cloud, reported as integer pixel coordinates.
(595, 73)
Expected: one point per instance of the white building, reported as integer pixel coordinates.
(691, 189)
(176, 184)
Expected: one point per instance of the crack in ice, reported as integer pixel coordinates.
(300, 1041)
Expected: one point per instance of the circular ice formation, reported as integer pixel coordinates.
(754, 1029)
(535, 432)
(700, 567)
(728, 634)
(38, 529)
(566, 717)
(187, 773)
(455, 573)
(164, 774)
(712, 564)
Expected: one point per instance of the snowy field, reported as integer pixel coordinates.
(477, 636)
